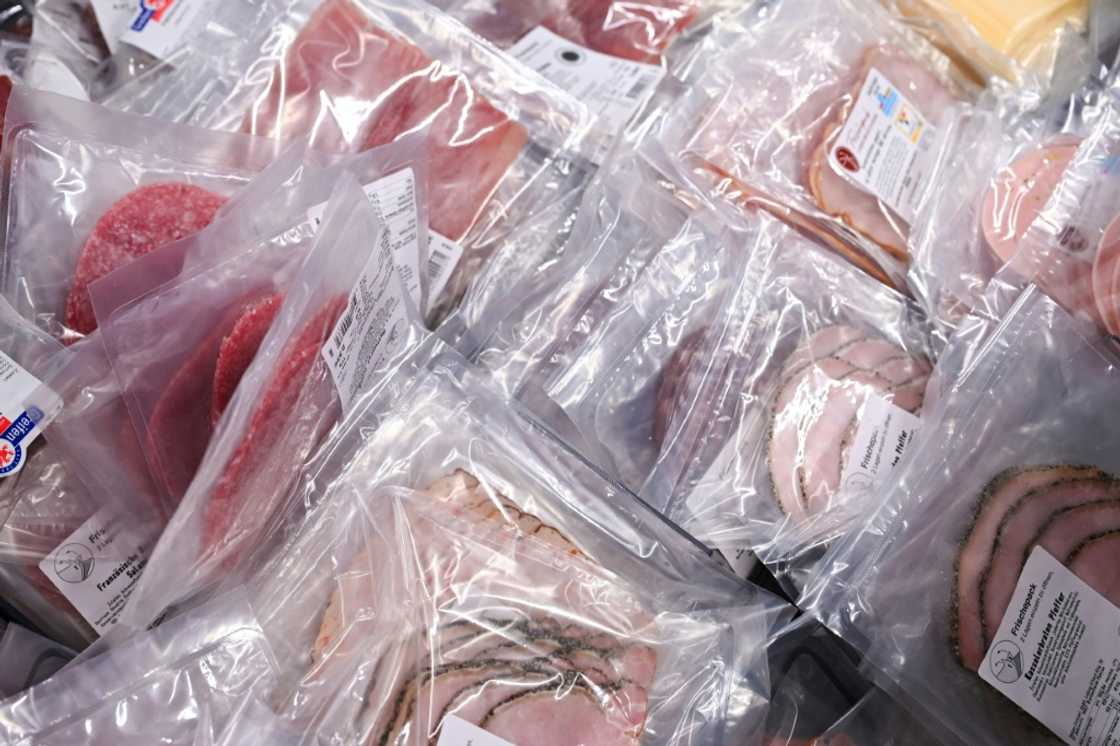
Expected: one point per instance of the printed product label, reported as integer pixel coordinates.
(443, 255)
(368, 332)
(97, 567)
(1057, 654)
(26, 407)
(394, 198)
(883, 435)
(113, 18)
(881, 146)
(159, 27)
(742, 560)
(454, 731)
(613, 88)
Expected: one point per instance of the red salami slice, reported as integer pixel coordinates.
(295, 408)
(238, 350)
(142, 220)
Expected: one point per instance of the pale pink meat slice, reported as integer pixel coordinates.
(1019, 192)
(1069, 529)
(860, 209)
(974, 558)
(1019, 530)
(575, 720)
(1095, 563)
(1106, 278)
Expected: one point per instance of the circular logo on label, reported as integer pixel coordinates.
(847, 160)
(74, 563)
(1006, 662)
(858, 481)
(570, 56)
(156, 6)
(10, 457)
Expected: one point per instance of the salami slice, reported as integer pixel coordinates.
(142, 220)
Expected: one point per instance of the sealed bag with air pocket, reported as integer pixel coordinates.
(984, 585)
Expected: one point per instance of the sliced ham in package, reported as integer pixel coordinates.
(504, 144)
(89, 189)
(465, 575)
(340, 324)
(996, 166)
(985, 585)
(199, 680)
(822, 113)
(231, 280)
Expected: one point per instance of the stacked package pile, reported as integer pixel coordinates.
(560, 372)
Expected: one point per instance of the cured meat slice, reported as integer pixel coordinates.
(1095, 563)
(1020, 531)
(1000, 496)
(238, 349)
(142, 220)
(815, 414)
(1019, 193)
(386, 87)
(295, 409)
(637, 30)
(1106, 278)
(837, 196)
(675, 381)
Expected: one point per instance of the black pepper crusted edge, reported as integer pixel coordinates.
(982, 501)
(1100, 536)
(1104, 480)
(509, 701)
(1104, 504)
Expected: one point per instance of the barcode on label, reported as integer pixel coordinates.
(344, 325)
(641, 85)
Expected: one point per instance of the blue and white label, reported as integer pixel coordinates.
(26, 407)
(159, 27)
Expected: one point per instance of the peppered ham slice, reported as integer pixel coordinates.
(144, 219)
(1095, 563)
(382, 87)
(823, 387)
(1005, 514)
(836, 195)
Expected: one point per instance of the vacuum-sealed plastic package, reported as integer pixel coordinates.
(29, 658)
(985, 583)
(822, 113)
(192, 681)
(994, 173)
(338, 328)
(465, 573)
(231, 279)
(129, 188)
(504, 144)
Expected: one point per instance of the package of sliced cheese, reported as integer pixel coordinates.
(985, 585)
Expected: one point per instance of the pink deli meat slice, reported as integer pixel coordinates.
(836, 195)
(144, 219)
(1095, 563)
(343, 64)
(975, 556)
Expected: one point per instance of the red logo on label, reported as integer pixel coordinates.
(5, 423)
(7, 454)
(847, 160)
(157, 7)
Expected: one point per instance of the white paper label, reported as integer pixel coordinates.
(1057, 654)
(160, 27)
(113, 18)
(26, 407)
(394, 198)
(742, 560)
(97, 567)
(882, 144)
(368, 332)
(883, 435)
(443, 256)
(454, 731)
(613, 88)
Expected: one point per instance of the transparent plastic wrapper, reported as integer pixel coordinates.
(784, 114)
(740, 400)
(626, 217)
(995, 167)
(231, 280)
(68, 47)
(196, 680)
(28, 658)
(505, 145)
(464, 568)
(934, 588)
(341, 323)
(90, 189)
